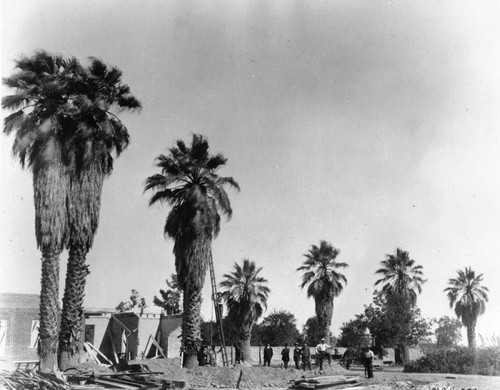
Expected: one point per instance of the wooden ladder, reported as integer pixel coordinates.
(218, 315)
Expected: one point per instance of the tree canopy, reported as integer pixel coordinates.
(448, 332)
(392, 321)
(278, 328)
(469, 298)
(135, 301)
(323, 280)
(170, 300)
(401, 276)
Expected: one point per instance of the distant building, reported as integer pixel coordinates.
(115, 335)
(131, 334)
(19, 327)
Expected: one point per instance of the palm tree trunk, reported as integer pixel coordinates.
(245, 336)
(72, 335)
(191, 322)
(49, 310)
(324, 312)
(50, 187)
(84, 202)
(471, 336)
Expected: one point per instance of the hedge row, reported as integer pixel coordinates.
(458, 360)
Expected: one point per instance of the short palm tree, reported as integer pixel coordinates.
(469, 297)
(323, 282)
(245, 293)
(97, 91)
(39, 124)
(401, 276)
(188, 182)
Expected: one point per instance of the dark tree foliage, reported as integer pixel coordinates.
(210, 332)
(136, 301)
(170, 300)
(393, 322)
(448, 332)
(312, 333)
(278, 328)
(351, 331)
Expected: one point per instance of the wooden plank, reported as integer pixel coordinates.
(111, 382)
(146, 350)
(98, 353)
(159, 348)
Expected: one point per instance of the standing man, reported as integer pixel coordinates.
(368, 355)
(285, 356)
(321, 349)
(306, 357)
(296, 356)
(348, 355)
(237, 353)
(268, 355)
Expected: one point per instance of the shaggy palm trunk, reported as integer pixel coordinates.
(50, 186)
(191, 260)
(191, 323)
(49, 311)
(245, 336)
(471, 336)
(72, 335)
(84, 202)
(324, 312)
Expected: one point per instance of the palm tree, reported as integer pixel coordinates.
(401, 276)
(246, 297)
(469, 298)
(189, 184)
(41, 135)
(96, 92)
(62, 127)
(323, 282)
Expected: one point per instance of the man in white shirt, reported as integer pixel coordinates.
(321, 349)
(368, 355)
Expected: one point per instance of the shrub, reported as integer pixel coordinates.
(488, 361)
(459, 360)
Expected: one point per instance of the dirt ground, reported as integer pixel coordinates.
(276, 377)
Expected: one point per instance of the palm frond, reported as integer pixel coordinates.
(14, 102)
(13, 121)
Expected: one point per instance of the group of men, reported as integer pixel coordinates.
(301, 355)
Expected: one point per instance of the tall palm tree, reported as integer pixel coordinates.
(57, 99)
(41, 136)
(246, 296)
(96, 91)
(190, 185)
(401, 276)
(469, 297)
(323, 282)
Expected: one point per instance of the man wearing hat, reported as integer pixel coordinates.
(296, 356)
(321, 349)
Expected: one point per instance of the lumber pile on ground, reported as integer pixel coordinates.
(30, 380)
(327, 382)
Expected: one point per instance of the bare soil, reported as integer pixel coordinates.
(252, 377)
(255, 377)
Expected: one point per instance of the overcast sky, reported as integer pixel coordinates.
(370, 124)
